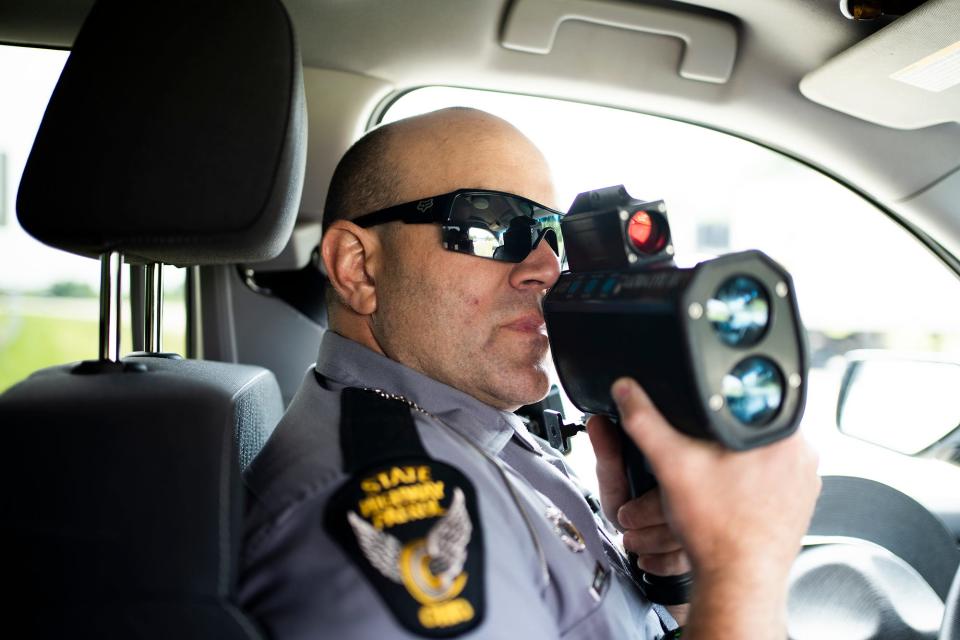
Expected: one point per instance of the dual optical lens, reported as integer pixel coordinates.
(739, 312)
(753, 391)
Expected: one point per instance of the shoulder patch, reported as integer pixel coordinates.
(412, 527)
(410, 523)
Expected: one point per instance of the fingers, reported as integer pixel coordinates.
(643, 423)
(645, 511)
(769, 492)
(665, 564)
(654, 540)
(614, 490)
(647, 534)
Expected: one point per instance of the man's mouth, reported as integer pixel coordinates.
(532, 323)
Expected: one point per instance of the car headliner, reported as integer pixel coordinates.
(361, 53)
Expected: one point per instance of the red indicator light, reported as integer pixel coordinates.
(644, 233)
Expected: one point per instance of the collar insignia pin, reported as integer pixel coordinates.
(565, 529)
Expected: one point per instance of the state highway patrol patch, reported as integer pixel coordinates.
(412, 528)
(409, 522)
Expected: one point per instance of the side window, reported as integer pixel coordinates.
(48, 298)
(862, 281)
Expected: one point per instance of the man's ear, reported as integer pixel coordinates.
(349, 256)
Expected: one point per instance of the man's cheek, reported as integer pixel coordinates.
(461, 300)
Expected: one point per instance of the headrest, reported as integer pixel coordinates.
(176, 134)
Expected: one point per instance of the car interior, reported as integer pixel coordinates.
(203, 135)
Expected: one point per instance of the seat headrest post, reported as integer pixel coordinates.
(153, 309)
(111, 281)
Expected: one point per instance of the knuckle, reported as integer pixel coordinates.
(632, 541)
(643, 512)
(664, 564)
(658, 539)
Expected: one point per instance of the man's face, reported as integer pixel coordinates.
(473, 323)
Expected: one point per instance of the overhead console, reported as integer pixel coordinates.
(904, 76)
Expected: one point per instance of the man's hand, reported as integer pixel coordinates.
(739, 515)
(642, 520)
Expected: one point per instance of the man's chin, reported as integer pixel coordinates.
(523, 389)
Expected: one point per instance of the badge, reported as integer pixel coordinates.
(412, 527)
(562, 526)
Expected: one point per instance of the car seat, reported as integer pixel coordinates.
(176, 134)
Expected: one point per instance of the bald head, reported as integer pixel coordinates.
(470, 322)
(432, 154)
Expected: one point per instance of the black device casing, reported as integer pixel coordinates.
(604, 325)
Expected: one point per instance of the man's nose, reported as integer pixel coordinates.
(539, 270)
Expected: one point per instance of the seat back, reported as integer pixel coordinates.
(121, 496)
(176, 134)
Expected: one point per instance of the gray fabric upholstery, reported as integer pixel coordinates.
(255, 394)
(258, 410)
(176, 134)
(123, 499)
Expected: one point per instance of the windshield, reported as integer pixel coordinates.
(862, 280)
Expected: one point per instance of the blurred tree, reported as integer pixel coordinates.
(71, 290)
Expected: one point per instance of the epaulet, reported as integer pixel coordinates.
(409, 522)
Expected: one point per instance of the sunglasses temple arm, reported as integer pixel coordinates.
(407, 213)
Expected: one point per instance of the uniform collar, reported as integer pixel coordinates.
(351, 364)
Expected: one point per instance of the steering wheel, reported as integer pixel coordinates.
(950, 629)
(875, 564)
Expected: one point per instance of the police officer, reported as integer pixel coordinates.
(400, 498)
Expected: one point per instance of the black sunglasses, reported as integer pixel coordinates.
(479, 222)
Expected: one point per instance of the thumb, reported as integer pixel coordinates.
(648, 429)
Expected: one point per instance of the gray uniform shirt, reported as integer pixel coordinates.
(296, 580)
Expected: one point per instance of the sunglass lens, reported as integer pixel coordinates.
(517, 240)
(501, 227)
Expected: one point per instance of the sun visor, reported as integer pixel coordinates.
(905, 76)
(176, 134)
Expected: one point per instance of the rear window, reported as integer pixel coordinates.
(49, 310)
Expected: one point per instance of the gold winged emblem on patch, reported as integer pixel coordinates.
(430, 568)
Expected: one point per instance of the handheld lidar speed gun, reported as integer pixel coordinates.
(718, 347)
